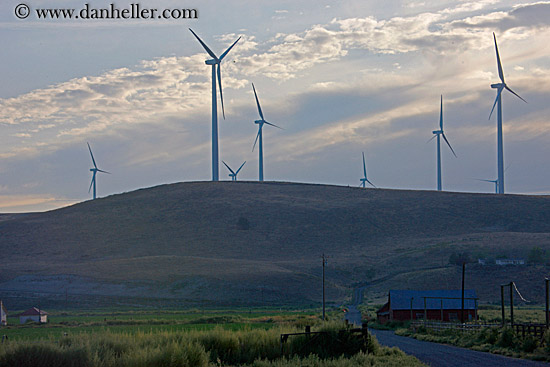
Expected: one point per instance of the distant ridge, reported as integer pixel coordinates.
(242, 243)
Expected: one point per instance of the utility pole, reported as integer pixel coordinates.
(511, 304)
(502, 304)
(546, 280)
(324, 258)
(462, 310)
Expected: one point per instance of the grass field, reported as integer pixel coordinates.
(191, 338)
(62, 323)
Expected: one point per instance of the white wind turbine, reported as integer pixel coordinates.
(498, 101)
(439, 133)
(233, 174)
(95, 170)
(365, 179)
(216, 72)
(260, 123)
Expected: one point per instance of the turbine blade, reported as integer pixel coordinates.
(220, 84)
(229, 168)
(257, 136)
(269, 123)
(432, 138)
(103, 171)
(240, 167)
(496, 100)
(449, 144)
(93, 160)
(500, 73)
(371, 183)
(229, 49)
(514, 93)
(205, 47)
(479, 179)
(441, 114)
(258, 102)
(364, 166)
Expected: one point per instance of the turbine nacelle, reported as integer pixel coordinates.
(259, 121)
(498, 85)
(437, 132)
(212, 62)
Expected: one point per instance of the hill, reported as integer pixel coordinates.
(245, 243)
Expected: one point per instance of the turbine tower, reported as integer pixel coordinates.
(233, 174)
(216, 72)
(260, 123)
(365, 179)
(498, 101)
(439, 133)
(95, 170)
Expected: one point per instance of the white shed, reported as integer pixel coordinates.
(34, 315)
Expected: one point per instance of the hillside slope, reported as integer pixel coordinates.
(253, 243)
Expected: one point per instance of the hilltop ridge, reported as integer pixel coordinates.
(257, 243)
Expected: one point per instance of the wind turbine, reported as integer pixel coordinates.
(260, 123)
(500, 149)
(439, 133)
(233, 174)
(493, 181)
(95, 170)
(216, 72)
(365, 179)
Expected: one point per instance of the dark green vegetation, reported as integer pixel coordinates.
(244, 339)
(246, 243)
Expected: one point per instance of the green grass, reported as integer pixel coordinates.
(73, 323)
(221, 344)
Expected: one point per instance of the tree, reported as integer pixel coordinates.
(537, 256)
(243, 224)
(459, 258)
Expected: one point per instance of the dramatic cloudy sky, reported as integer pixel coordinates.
(341, 77)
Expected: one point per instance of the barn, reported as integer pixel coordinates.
(33, 314)
(443, 305)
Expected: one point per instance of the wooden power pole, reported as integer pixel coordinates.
(324, 258)
(462, 310)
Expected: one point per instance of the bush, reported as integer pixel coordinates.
(44, 355)
(507, 338)
(529, 344)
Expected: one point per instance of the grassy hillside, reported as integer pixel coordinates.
(254, 243)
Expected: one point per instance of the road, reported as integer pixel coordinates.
(435, 354)
(441, 355)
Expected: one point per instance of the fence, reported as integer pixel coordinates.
(522, 330)
(441, 326)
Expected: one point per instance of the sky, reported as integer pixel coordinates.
(340, 77)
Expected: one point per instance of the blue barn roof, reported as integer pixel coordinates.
(401, 299)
